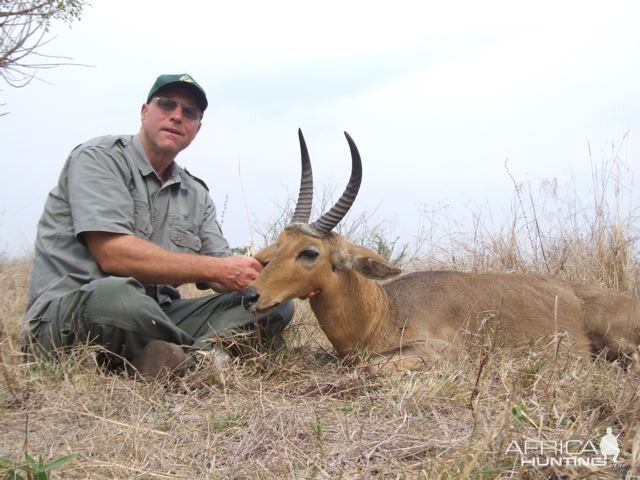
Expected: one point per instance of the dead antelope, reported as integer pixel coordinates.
(417, 318)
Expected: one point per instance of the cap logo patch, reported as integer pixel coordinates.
(186, 78)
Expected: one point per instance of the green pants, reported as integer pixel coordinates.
(116, 313)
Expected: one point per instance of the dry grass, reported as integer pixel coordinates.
(300, 413)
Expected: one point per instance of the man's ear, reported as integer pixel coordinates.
(365, 261)
(143, 110)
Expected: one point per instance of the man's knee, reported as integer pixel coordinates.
(286, 310)
(276, 320)
(115, 297)
(120, 313)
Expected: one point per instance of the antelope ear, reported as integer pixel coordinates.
(264, 255)
(364, 261)
(375, 268)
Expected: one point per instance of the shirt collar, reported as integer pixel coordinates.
(175, 171)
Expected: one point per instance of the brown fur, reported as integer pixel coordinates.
(417, 318)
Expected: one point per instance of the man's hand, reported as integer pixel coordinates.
(236, 273)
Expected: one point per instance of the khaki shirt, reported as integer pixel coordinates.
(108, 185)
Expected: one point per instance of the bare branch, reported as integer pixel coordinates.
(24, 30)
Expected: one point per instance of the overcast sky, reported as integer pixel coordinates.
(436, 95)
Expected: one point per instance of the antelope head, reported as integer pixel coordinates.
(308, 260)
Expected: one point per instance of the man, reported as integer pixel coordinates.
(122, 228)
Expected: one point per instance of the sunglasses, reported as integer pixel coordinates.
(168, 105)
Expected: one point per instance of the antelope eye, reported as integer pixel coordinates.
(308, 255)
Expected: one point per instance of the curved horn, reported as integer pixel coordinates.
(305, 197)
(329, 220)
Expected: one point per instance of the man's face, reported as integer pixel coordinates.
(168, 121)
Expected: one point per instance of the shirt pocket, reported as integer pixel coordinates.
(185, 238)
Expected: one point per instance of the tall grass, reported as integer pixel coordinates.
(549, 230)
(301, 413)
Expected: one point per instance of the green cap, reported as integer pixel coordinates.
(180, 79)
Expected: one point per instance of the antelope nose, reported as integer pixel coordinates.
(250, 297)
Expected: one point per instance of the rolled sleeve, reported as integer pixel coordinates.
(99, 197)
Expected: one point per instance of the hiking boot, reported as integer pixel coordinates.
(214, 356)
(160, 358)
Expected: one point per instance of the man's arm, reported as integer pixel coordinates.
(126, 255)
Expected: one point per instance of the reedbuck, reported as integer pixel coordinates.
(417, 318)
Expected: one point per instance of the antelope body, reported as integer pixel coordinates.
(420, 317)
